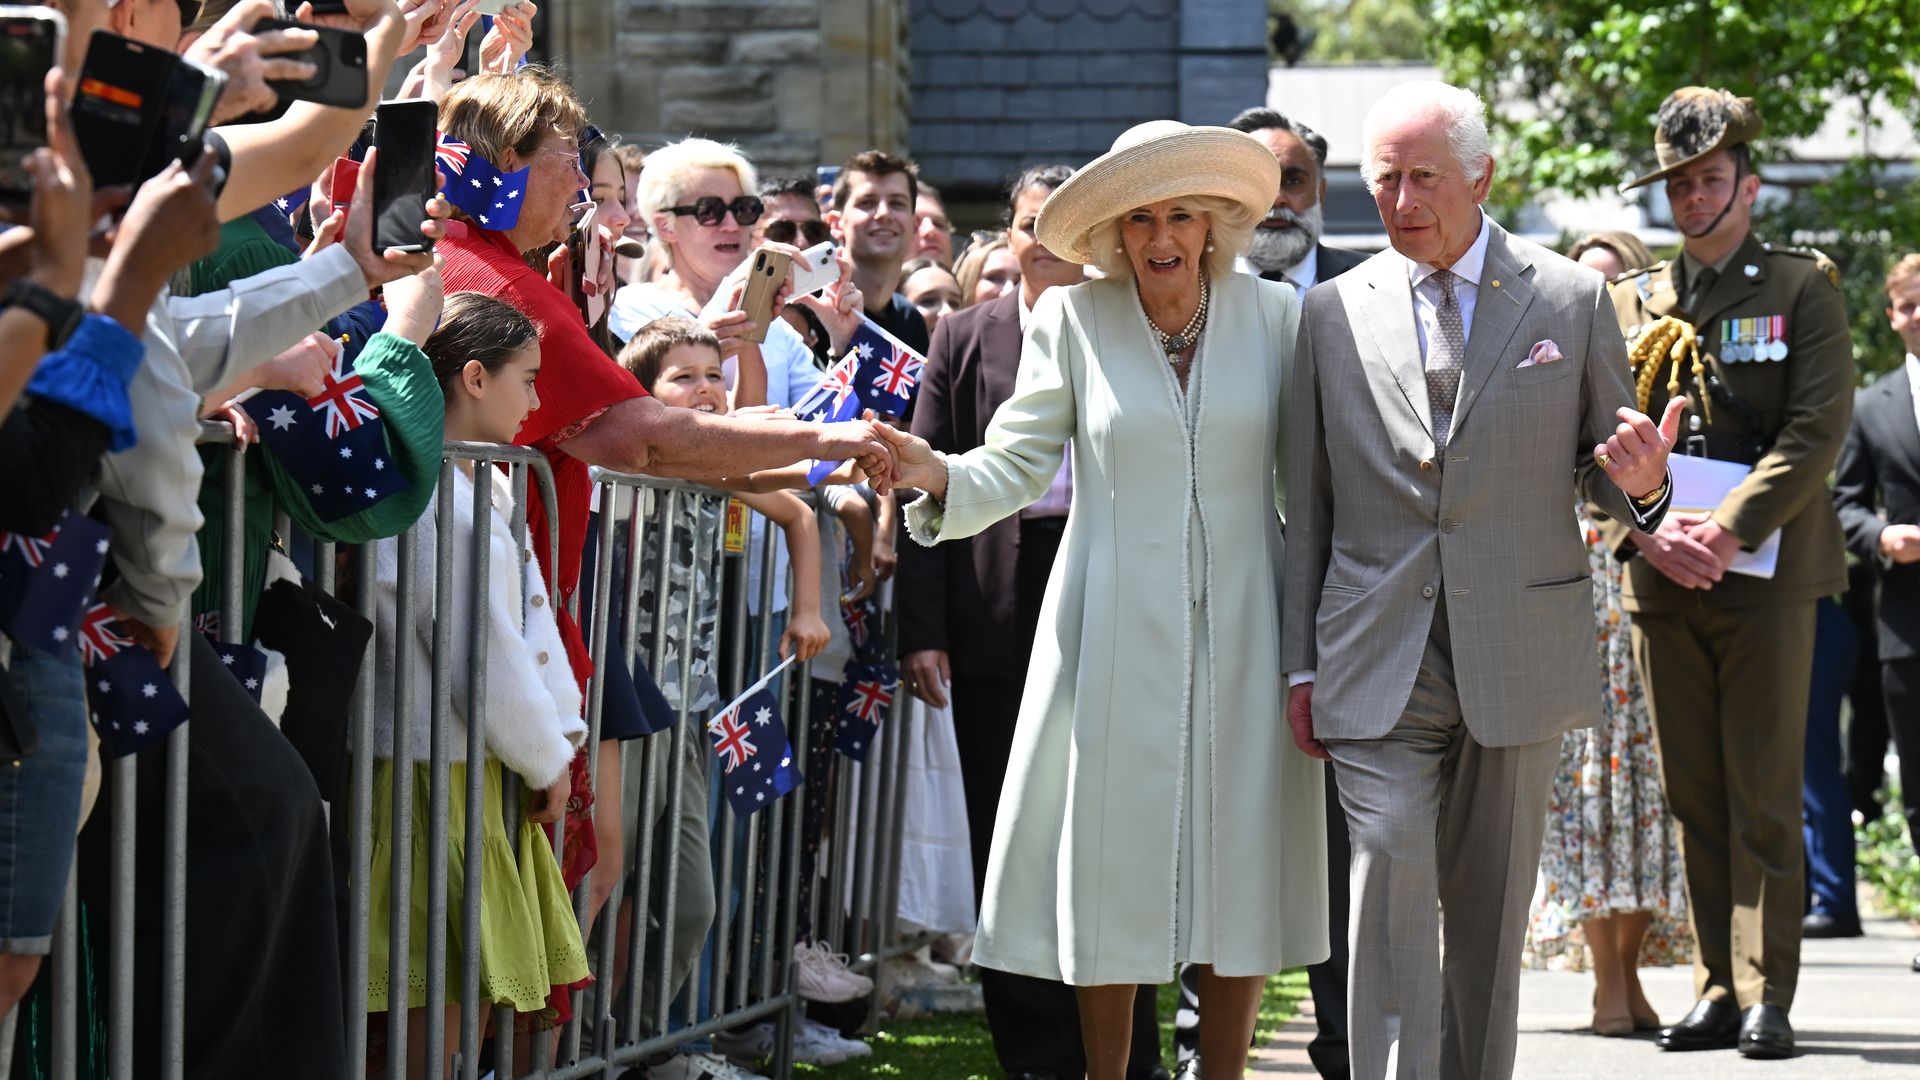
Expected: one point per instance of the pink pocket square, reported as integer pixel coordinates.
(1543, 352)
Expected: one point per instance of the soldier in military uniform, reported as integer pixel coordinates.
(1764, 358)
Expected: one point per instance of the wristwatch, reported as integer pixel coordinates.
(1649, 501)
(61, 315)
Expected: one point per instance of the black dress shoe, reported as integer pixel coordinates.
(1031, 1076)
(1712, 1025)
(1819, 924)
(1765, 1033)
(1157, 1072)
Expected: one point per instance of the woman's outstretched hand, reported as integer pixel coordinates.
(915, 463)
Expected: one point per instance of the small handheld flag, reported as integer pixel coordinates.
(48, 582)
(756, 758)
(878, 372)
(246, 664)
(328, 444)
(132, 701)
(866, 695)
(889, 371)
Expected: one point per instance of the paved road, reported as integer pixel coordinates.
(1857, 1016)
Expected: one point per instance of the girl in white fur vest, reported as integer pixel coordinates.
(485, 355)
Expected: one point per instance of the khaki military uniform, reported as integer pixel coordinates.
(1727, 669)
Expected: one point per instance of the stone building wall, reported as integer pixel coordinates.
(794, 82)
(1002, 84)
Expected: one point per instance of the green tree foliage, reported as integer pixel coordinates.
(1361, 31)
(1582, 80)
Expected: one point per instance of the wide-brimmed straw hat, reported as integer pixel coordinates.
(1695, 121)
(1160, 159)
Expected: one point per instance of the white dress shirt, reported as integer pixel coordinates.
(1466, 290)
(1913, 384)
(1304, 274)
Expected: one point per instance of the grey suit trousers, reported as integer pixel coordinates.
(1435, 816)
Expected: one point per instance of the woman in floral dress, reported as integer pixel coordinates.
(1610, 866)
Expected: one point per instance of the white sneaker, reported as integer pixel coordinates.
(753, 1044)
(817, 1044)
(824, 976)
(699, 1067)
(916, 971)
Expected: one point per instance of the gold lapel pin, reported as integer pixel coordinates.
(1496, 283)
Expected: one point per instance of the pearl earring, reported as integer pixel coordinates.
(1209, 243)
(1120, 249)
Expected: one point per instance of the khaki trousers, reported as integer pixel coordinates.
(1728, 692)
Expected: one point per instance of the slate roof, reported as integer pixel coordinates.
(1002, 84)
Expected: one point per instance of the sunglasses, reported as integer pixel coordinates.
(803, 234)
(711, 209)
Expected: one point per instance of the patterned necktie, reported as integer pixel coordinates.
(1445, 350)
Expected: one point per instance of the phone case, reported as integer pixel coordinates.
(768, 273)
(815, 269)
(340, 67)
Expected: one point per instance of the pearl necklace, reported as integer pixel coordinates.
(1175, 344)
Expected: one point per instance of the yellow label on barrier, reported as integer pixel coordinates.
(736, 542)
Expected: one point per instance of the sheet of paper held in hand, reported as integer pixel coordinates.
(1699, 484)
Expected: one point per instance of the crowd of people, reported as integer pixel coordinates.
(1188, 505)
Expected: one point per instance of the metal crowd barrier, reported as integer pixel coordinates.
(746, 973)
(64, 961)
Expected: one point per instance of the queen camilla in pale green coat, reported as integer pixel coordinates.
(1156, 811)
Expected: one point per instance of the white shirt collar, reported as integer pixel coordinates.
(1026, 313)
(1468, 268)
(1913, 374)
(1305, 274)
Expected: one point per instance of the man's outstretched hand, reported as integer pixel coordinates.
(1635, 455)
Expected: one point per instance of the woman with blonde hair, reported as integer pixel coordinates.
(1155, 811)
(987, 270)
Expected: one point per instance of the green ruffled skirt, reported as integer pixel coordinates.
(529, 942)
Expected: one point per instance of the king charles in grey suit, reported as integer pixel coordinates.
(1452, 397)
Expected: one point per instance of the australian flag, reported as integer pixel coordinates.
(878, 373)
(48, 582)
(133, 702)
(889, 372)
(334, 443)
(246, 664)
(755, 757)
(866, 694)
(477, 186)
(833, 400)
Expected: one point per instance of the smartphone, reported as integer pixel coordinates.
(495, 7)
(346, 174)
(137, 108)
(339, 62)
(815, 269)
(403, 179)
(31, 40)
(329, 7)
(187, 99)
(764, 278)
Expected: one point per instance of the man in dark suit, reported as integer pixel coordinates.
(1877, 495)
(1287, 245)
(968, 613)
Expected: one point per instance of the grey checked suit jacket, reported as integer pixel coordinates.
(1377, 528)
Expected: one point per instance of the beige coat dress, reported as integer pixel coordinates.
(1156, 810)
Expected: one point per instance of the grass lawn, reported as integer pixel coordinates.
(957, 1047)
